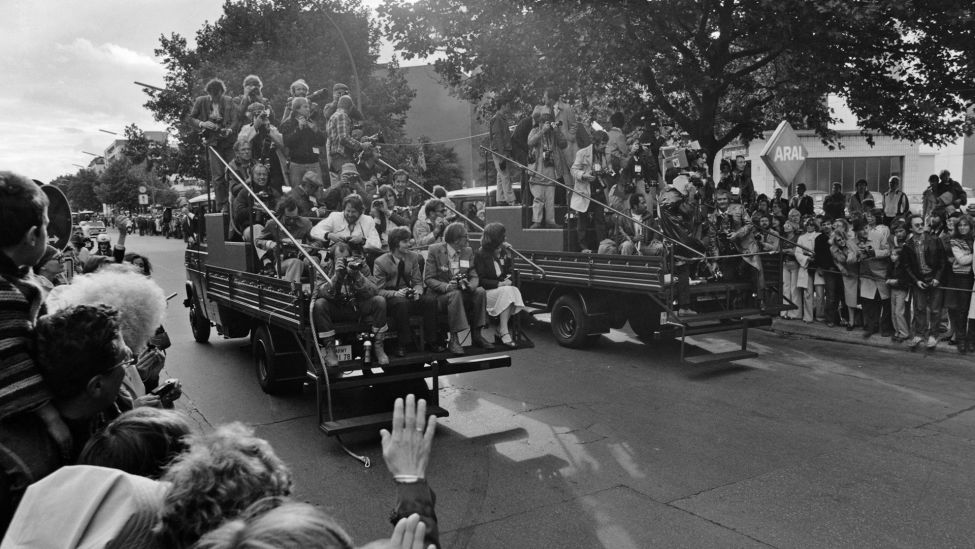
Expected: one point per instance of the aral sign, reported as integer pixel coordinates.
(784, 154)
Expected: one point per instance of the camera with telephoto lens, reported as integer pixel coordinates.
(463, 283)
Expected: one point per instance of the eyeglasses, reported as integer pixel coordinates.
(125, 362)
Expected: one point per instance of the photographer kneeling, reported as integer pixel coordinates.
(351, 295)
(450, 274)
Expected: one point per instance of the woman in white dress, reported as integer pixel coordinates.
(493, 265)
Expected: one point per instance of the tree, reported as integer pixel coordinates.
(140, 149)
(280, 41)
(441, 162)
(719, 70)
(119, 184)
(79, 189)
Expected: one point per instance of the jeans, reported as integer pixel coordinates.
(505, 194)
(834, 292)
(327, 312)
(399, 310)
(898, 310)
(790, 288)
(218, 177)
(927, 310)
(543, 205)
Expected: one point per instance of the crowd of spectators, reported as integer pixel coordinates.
(90, 456)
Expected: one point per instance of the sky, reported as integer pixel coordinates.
(69, 70)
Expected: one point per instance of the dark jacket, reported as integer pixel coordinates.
(484, 265)
(823, 255)
(519, 140)
(834, 206)
(302, 141)
(934, 256)
(228, 120)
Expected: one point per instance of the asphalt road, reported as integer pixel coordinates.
(814, 444)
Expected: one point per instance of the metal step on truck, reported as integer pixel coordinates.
(225, 291)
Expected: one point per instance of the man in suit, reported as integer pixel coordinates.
(214, 115)
(397, 275)
(450, 276)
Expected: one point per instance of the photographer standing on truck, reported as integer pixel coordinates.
(267, 144)
(214, 116)
(591, 172)
(546, 144)
(351, 295)
(450, 275)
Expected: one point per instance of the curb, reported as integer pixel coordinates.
(817, 330)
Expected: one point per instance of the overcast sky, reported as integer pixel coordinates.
(69, 70)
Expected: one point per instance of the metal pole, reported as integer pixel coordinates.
(462, 216)
(591, 199)
(291, 237)
(355, 71)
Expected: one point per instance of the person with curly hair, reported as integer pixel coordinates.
(221, 474)
(80, 357)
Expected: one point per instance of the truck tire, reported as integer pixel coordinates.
(265, 364)
(199, 323)
(570, 323)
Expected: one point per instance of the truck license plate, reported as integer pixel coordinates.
(344, 352)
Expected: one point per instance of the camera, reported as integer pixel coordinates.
(354, 264)
(462, 281)
(547, 159)
(168, 391)
(318, 94)
(410, 293)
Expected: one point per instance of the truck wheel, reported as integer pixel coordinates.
(570, 323)
(265, 361)
(199, 324)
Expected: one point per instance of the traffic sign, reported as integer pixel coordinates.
(142, 189)
(784, 154)
(143, 199)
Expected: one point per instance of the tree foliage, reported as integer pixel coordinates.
(119, 184)
(717, 69)
(79, 189)
(281, 41)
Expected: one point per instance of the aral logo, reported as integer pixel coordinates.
(784, 154)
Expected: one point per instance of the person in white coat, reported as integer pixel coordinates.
(590, 170)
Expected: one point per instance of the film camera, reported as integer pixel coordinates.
(410, 293)
(168, 391)
(463, 283)
(354, 263)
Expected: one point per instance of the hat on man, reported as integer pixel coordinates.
(87, 506)
(339, 87)
(312, 177)
(349, 169)
(970, 209)
(256, 108)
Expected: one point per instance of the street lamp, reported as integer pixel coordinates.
(106, 131)
(92, 154)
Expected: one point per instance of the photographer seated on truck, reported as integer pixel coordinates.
(350, 226)
(450, 275)
(399, 278)
(246, 220)
(274, 240)
(629, 236)
(351, 295)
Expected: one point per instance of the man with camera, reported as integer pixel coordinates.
(449, 275)
(253, 93)
(546, 143)
(757, 238)
(302, 137)
(349, 295)
(430, 230)
(591, 172)
(501, 143)
(273, 240)
(341, 145)
(350, 226)
(397, 274)
(310, 196)
(214, 116)
(267, 144)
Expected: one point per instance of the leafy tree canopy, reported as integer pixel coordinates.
(79, 189)
(716, 69)
(281, 41)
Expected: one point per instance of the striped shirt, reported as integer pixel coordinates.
(21, 386)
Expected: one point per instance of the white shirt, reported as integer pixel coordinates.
(336, 224)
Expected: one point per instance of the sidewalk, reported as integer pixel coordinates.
(818, 330)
